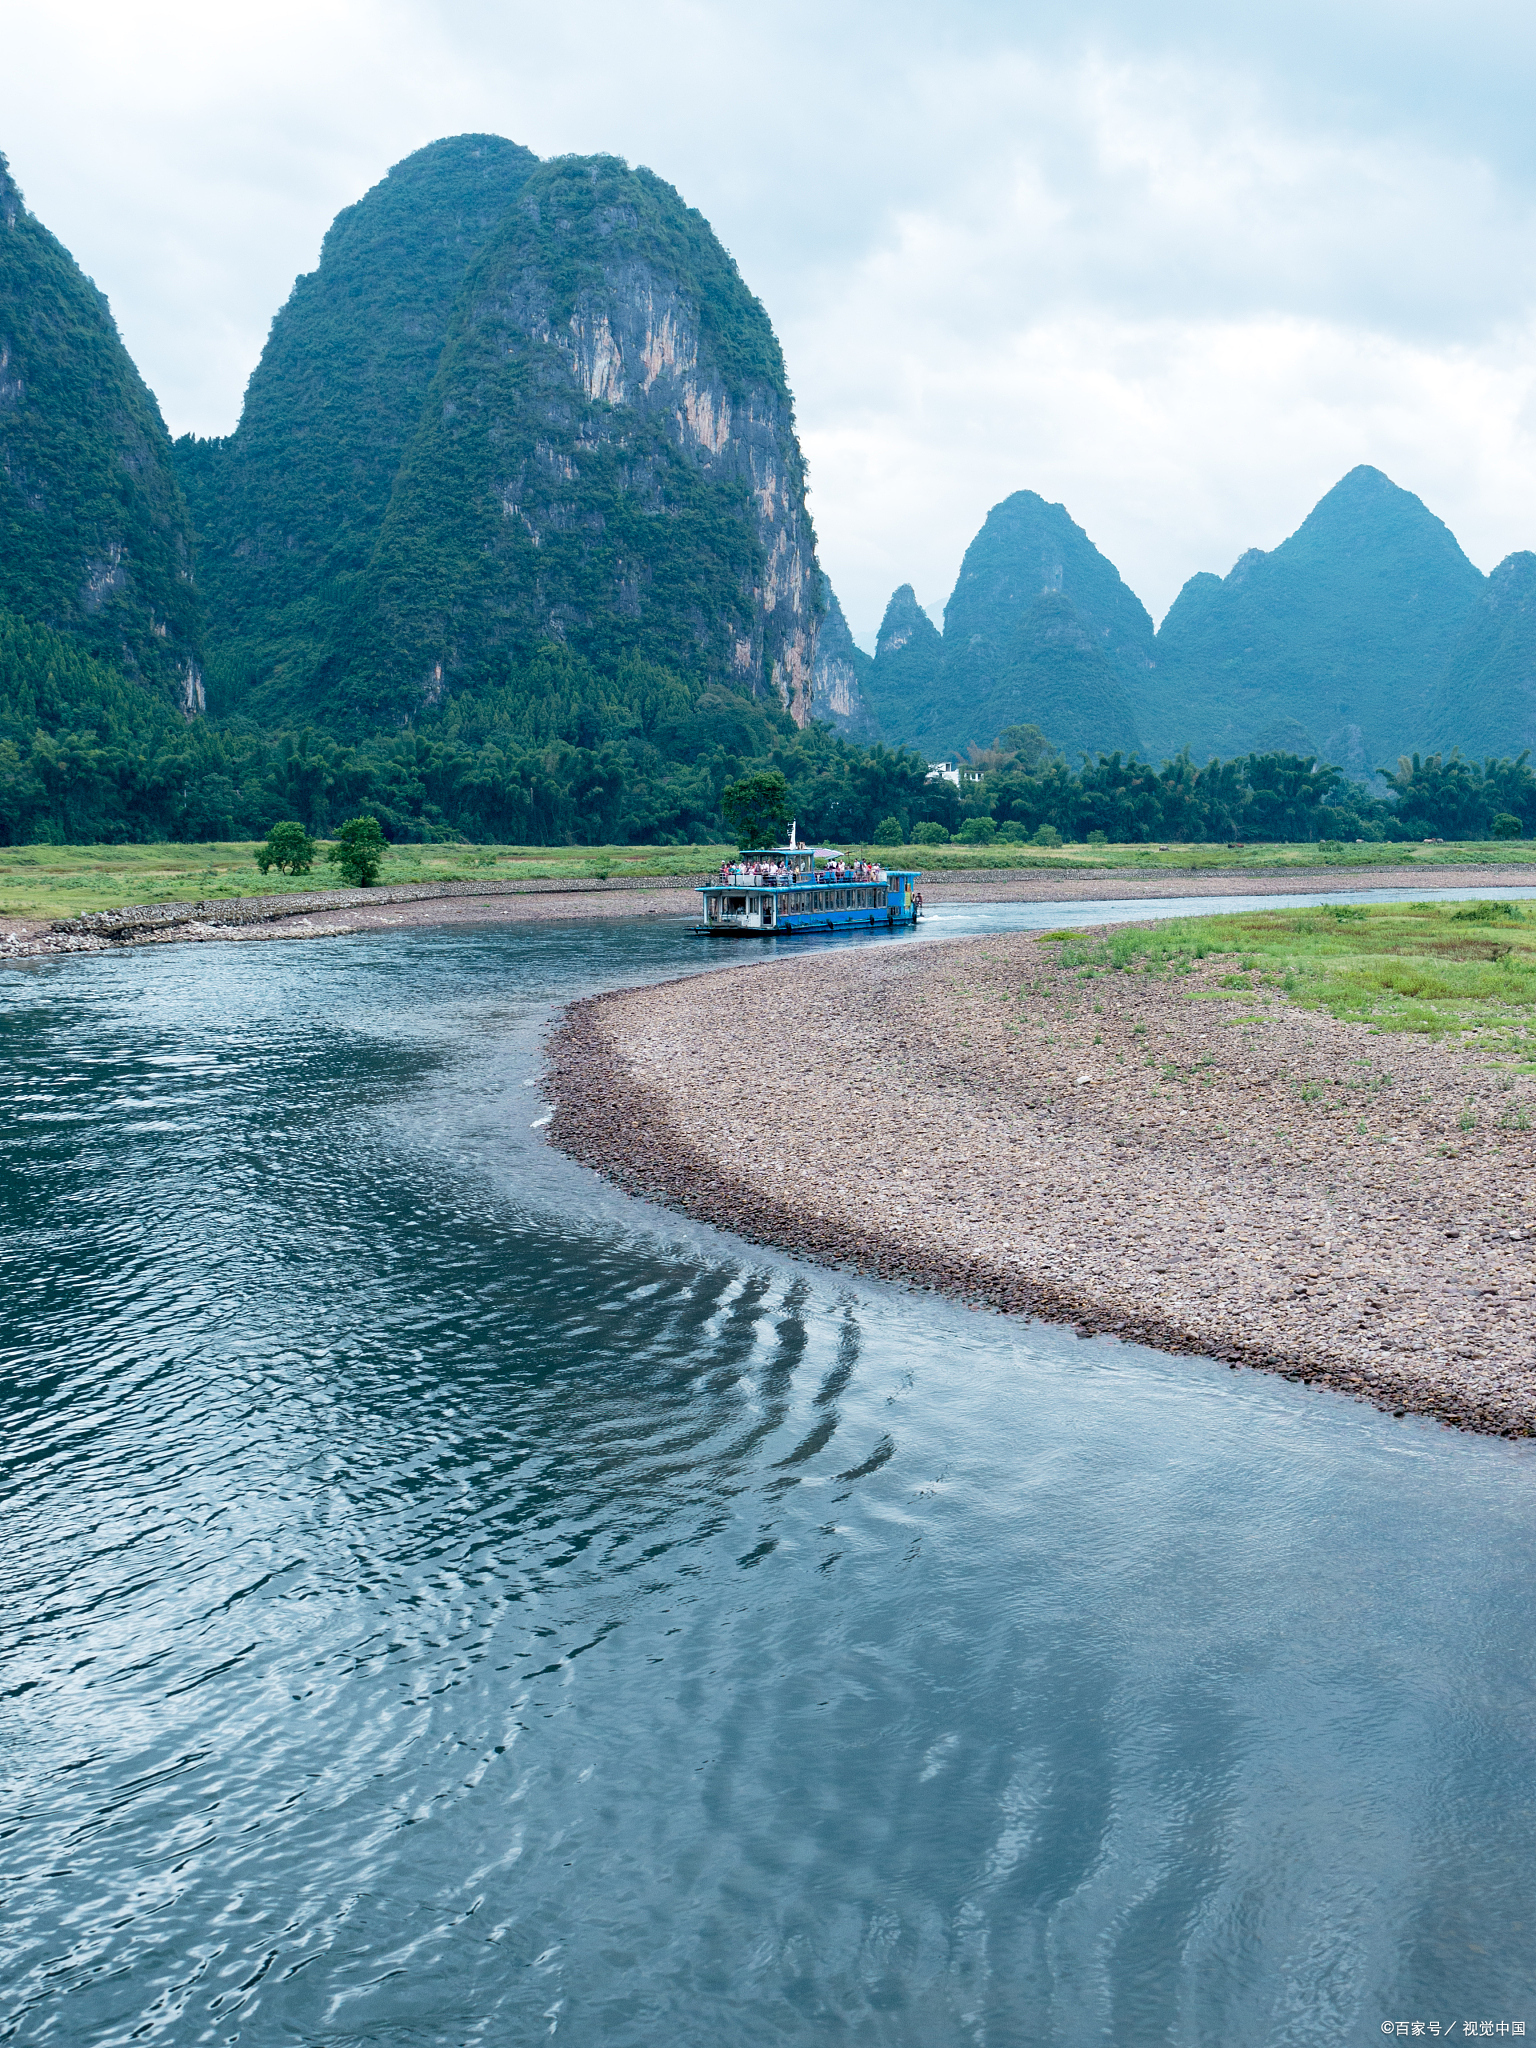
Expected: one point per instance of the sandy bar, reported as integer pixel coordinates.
(1237, 1177)
(321, 913)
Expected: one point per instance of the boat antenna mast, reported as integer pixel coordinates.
(792, 834)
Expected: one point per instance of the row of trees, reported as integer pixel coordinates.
(1023, 791)
(556, 753)
(203, 783)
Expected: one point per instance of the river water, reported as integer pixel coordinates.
(445, 1601)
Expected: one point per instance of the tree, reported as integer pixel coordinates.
(288, 848)
(1505, 826)
(358, 851)
(889, 833)
(1440, 798)
(756, 808)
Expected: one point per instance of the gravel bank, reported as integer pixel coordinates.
(1237, 1178)
(1133, 886)
(321, 913)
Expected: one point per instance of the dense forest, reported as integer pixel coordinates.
(557, 753)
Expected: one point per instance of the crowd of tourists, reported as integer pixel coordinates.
(763, 874)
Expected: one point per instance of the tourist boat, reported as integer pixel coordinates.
(778, 891)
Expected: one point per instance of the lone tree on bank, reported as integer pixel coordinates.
(288, 848)
(756, 808)
(358, 850)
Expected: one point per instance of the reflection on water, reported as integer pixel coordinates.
(445, 1602)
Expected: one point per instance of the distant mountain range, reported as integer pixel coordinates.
(1366, 635)
(519, 461)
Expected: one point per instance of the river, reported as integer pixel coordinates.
(446, 1601)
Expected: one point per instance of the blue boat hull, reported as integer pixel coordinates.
(822, 921)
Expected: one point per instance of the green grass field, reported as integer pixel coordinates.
(64, 881)
(1462, 968)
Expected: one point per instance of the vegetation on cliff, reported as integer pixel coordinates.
(561, 754)
(94, 534)
(1364, 635)
(288, 507)
(558, 754)
(607, 461)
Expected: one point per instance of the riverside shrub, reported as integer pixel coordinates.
(288, 848)
(359, 851)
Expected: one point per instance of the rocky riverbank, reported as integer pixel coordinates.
(333, 913)
(1263, 1185)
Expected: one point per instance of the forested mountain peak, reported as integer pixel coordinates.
(289, 506)
(1040, 628)
(1334, 639)
(905, 624)
(608, 461)
(94, 537)
(1366, 515)
(1027, 549)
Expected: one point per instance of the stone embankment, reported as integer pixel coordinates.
(1235, 1177)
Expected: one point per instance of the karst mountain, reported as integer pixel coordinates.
(516, 404)
(95, 538)
(1366, 635)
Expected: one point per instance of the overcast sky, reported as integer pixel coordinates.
(1179, 267)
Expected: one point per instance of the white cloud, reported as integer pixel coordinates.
(1180, 271)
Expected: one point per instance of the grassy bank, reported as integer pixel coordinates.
(64, 881)
(1262, 858)
(1467, 969)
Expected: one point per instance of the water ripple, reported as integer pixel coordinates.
(444, 1603)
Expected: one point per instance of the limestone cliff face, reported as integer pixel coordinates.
(607, 458)
(837, 693)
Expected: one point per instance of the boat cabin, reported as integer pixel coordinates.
(781, 890)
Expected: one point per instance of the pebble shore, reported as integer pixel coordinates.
(334, 913)
(1203, 1170)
